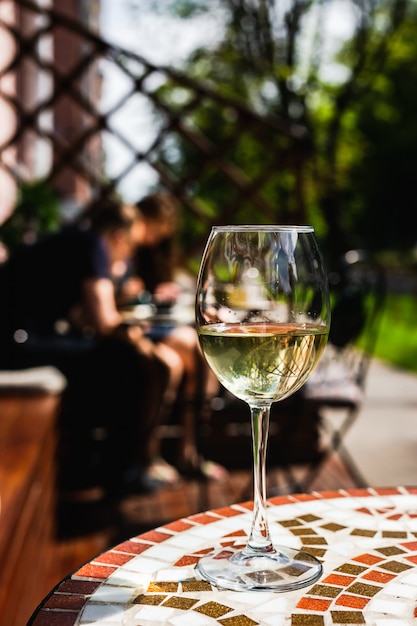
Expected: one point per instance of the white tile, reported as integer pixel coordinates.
(106, 614)
(112, 594)
(381, 605)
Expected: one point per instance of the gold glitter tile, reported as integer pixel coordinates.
(395, 566)
(362, 589)
(348, 568)
(290, 522)
(150, 600)
(394, 534)
(326, 591)
(348, 617)
(303, 619)
(317, 552)
(166, 586)
(313, 540)
(213, 609)
(238, 620)
(391, 550)
(361, 532)
(309, 518)
(333, 527)
(195, 585)
(304, 530)
(270, 576)
(180, 602)
(292, 570)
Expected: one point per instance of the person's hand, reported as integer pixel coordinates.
(130, 290)
(167, 292)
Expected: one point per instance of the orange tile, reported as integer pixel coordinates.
(156, 536)
(113, 558)
(226, 511)
(390, 491)
(94, 571)
(178, 526)
(186, 560)
(359, 493)
(353, 602)
(246, 505)
(132, 547)
(369, 559)
(410, 545)
(378, 577)
(330, 495)
(278, 500)
(305, 497)
(237, 533)
(203, 518)
(364, 510)
(338, 579)
(314, 604)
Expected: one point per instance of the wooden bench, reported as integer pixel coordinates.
(27, 502)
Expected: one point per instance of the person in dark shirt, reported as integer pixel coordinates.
(58, 308)
(154, 270)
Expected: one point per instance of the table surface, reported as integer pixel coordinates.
(366, 539)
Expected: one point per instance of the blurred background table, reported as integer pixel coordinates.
(366, 538)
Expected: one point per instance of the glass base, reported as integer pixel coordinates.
(285, 569)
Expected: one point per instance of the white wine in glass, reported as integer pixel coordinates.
(263, 316)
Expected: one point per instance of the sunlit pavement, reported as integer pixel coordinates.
(383, 440)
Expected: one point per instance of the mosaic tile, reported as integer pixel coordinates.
(153, 600)
(348, 617)
(132, 547)
(333, 527)
(362, 589)
(290, 522)
(304, 530)
(166, 586)
(314, 604)
(395, 566)
(337, 579)
(366, 540)
(178, 602)
(300, 619)
(361, 532)
(353, 602)
(390, 551)
(238, 620)
(213, 609)
(378, 577)
(66, 602)
(324, 590)
(195, 585)
(351, 569)
(47, 618)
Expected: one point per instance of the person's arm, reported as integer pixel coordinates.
(100, 305)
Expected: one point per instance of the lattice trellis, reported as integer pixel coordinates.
(68, 124)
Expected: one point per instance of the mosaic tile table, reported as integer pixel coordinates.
(366, 539)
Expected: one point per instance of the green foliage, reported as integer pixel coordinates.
(397, 340)
(360, 167)
(36, 213)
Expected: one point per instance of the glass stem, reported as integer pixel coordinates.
(259, 539)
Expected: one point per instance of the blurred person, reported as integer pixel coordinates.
(154, 273)
(58, 308)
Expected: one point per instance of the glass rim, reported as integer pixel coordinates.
(264, 227)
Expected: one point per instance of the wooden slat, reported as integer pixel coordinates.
(27, 477)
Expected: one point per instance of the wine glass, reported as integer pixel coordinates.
(262, 315)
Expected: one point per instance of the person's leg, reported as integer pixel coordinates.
(199, 386)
